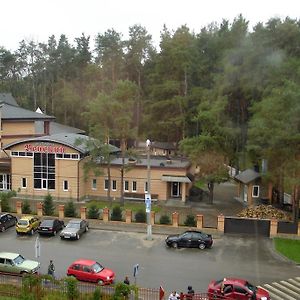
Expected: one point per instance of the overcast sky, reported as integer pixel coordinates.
(38, 19)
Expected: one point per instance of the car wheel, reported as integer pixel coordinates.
(61, 237)
(77, 236)
(3, 229)
(174, 245)
(201, 246)
(100, 282)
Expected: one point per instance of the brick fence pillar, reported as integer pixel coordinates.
(152, 217)
(61, 212)
(83, 212)
(19, 207)
(175, 219)
(105, 214)
(273, 227)
(128, 216)
(298, 228)
(200, 221)
(39, 209)
(221, 223)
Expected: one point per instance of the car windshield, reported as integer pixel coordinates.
(97, 267)
(47, 223)
(73, 225)
(19, 259)
(23, 222)
(251, 287)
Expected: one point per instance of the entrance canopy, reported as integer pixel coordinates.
(170, 178)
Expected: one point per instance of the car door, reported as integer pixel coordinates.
(240, 293)
(2, 264)
(36, 223)
(82, 226)
(88, 273)
(4, 221)
(10, 220)
(196, 239)
(186, 240)
(77, 271)
(10, 266)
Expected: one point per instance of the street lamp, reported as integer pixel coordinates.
(148, 194)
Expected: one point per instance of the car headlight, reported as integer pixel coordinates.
(107, 277)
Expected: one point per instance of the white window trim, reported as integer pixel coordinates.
(94, 187)
(253, 188)
(65, 190)
(134, 191)
(146, 187)
(24, 187)
(112, 185)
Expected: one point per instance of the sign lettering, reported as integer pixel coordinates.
(44, 148)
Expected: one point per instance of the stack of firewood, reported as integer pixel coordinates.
(264, 212)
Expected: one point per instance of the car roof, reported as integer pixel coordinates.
(82, 261)
(9, 255)
(5, 214)
(235, 280)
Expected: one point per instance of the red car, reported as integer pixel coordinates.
(91, 270)
(233, 288)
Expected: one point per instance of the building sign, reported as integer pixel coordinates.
(44, 148)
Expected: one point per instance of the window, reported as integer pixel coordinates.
(44, 171)
(255, 191)
(106, 184)
(126, 185)
(240, 290)
(114, 185)
(66, 185)
(146, 187)
(134, 186)
(94, 184)
(24, 183)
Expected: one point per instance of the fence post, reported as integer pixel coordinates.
(273, 227)
(175, 217)
(19, 207)
(128, 216)
(61, 212)
(39, 208)
(221, 223)
(200, 221)
(83, 212)
(105, 214)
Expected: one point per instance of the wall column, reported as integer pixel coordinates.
(83, 212)
(175, 219)
(128, 216)
(19, 207)
(298, 228)
(61, 212)
(105, 214)
(273, 227)
(39, 209)
(221, 223)
(183, 192)
(199, 221)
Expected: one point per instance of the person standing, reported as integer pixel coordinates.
(190, 292)
(126, 280)
(51, 268)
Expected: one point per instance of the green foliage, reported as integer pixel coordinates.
(26, 207)
(97, 295)
(289, 248)
(48, 206)
(70, 210)
(93, 212)
(122, 291)
(116, 214)
(190, 221)
(72, 289)
(140, 216)
(5, 197)
(165, 219)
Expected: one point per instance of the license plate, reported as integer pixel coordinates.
(44, 228)
(67, 237)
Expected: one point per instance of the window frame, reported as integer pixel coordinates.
(24, 180)
(94, 184)
(65, 185)
(255, 191)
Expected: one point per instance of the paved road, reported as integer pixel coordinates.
(246, 257)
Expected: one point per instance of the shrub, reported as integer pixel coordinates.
(70, 210)
(97, 295)
(93, 212)
(116, 214)
(5, 197)
(190, 221)
(48, 207)
(140, 216)
(26, 207)
(165, 219)
(72, 288)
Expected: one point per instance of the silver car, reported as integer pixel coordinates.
(74, 229)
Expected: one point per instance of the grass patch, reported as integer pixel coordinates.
(289, 248)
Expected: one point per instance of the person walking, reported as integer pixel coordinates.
(126, 280)
(51, 268)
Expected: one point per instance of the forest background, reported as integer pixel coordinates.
(225, 94)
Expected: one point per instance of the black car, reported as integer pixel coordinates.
(190, 239)
(6, 221)
(50, 226)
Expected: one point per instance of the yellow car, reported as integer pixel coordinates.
(27, 224)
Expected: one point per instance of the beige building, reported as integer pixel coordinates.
(39, 156)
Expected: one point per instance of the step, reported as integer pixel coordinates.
(278, 292)
(288, 291)
(291, 287)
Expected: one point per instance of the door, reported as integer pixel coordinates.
(245, 198)
(175, 191)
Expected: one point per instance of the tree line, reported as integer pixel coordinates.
(227, 94)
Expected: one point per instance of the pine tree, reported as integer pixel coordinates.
(48, 207)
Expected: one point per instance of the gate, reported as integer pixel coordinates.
(247, 226)
(287, 227)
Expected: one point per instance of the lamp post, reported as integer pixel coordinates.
(148, 194)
